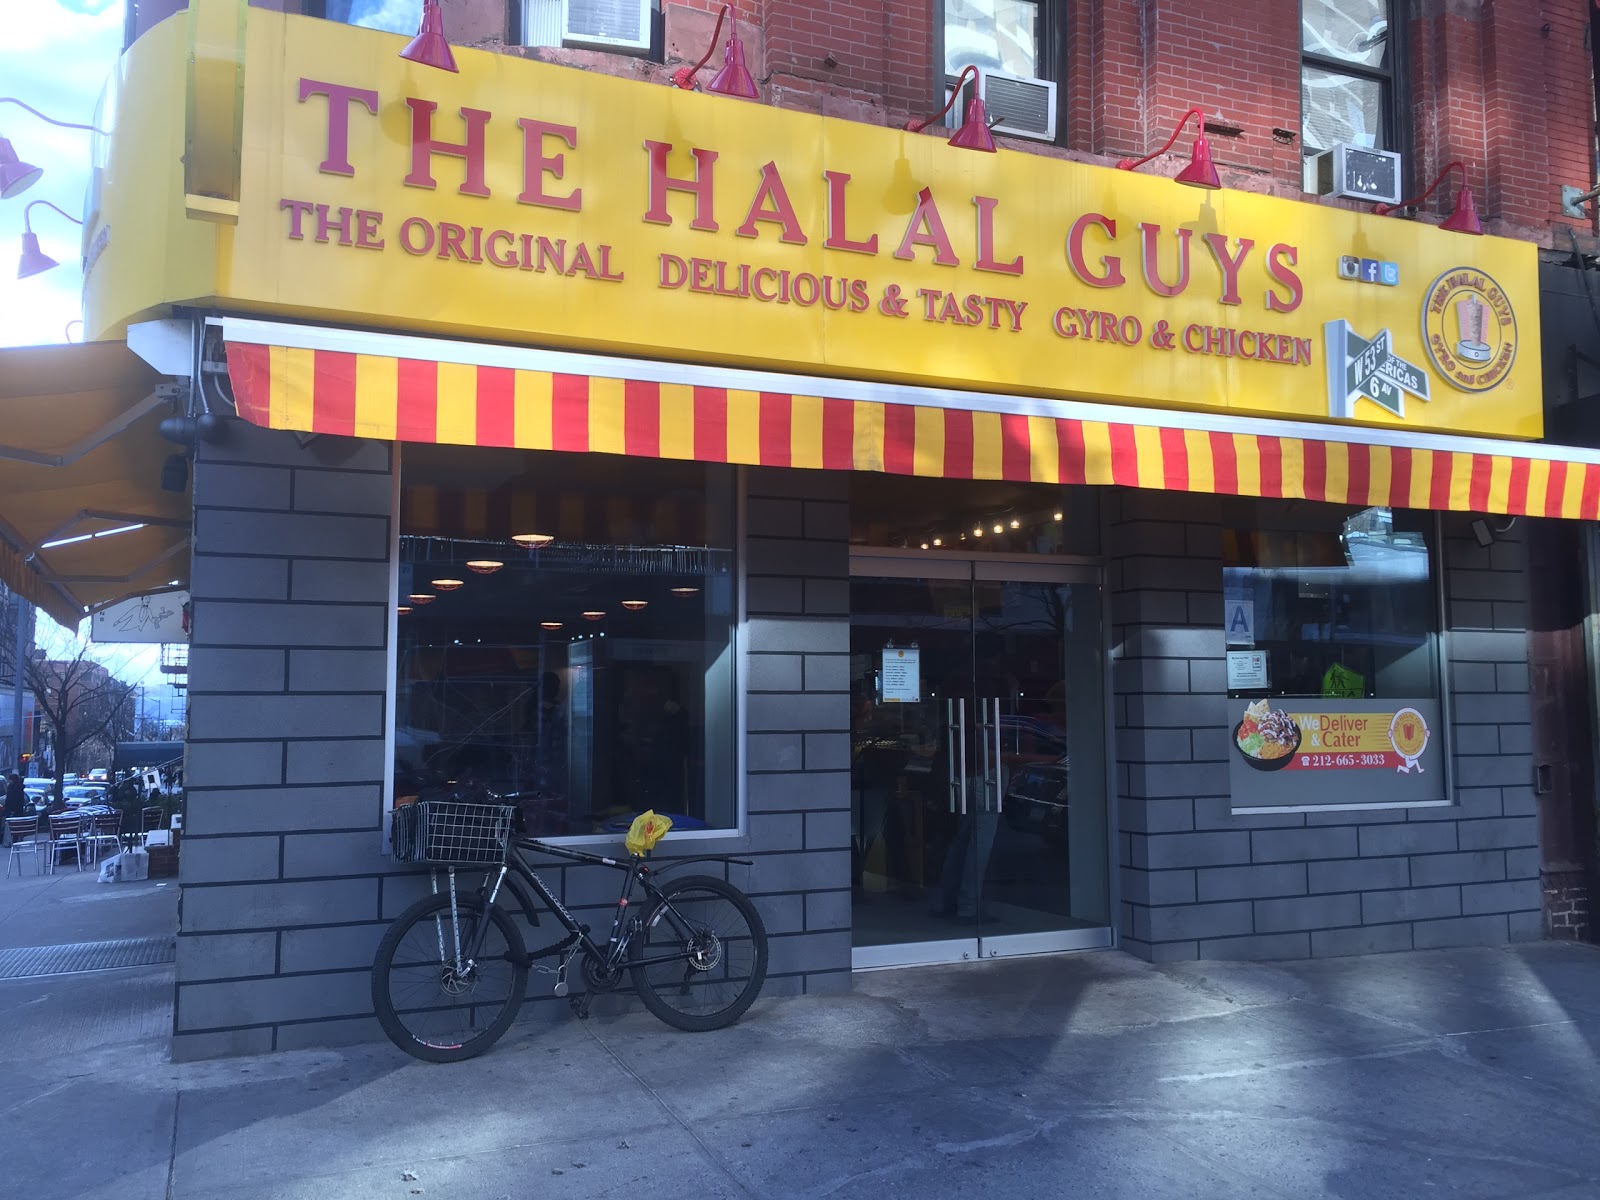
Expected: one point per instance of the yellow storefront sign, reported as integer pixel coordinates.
(523, 202)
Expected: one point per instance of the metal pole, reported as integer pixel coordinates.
(20, 650)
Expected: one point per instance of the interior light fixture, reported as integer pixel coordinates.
(734, 78)
(1462, 219)
(685, 591)
(421, 598)
(593, 614)
(974, 132)
(999, 528)
(402, 609)
(533, 539)
(938, 541)
(1056, 516)
(924, 545)
(447, 585)
(35, 260)
(549, 624)
(635, 605)
(1199, 173)
(430, 47)
(977, 531)
(484, 566)
(1016, 524)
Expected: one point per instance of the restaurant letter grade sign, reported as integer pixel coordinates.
(1295, 753)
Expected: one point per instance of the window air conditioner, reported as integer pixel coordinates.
(607, 24)
(1356, 173)
(1017, 106)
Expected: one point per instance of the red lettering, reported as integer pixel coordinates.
(1229, 263)
(502, 258)
(781, 213)
(297, 211)
(536, 164)
(451, 239)
(986, 261)
(327, 224)
(410, 226)
(367, 223)
(838, 239)
(1279, 259)
(755, 285)
(926, 228)
(700, 186)
(673, 271)
(337, 159)
(551, 253)
(1148, 255)
(424, 147)
(1112, 276)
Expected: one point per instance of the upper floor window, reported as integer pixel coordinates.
(1014, 44)
(1349, 74)
(391, 16)
(620, 26)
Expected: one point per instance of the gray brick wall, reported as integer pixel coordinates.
(286, 887)
(1199, 882)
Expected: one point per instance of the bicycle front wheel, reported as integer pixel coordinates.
(700, 958)
(432, 1005)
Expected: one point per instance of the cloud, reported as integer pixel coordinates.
(56, 58)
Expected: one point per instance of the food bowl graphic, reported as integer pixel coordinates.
(1266, 764)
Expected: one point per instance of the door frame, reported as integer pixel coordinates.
(884, 562)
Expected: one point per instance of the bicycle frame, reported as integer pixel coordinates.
(610, 959)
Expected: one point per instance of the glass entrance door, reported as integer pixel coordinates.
(978, 784)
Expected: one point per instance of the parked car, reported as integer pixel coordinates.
(77, 794)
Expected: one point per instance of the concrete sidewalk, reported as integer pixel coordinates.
(1443, 1073)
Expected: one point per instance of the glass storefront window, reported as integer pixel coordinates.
(566, 637)
(1331, 628)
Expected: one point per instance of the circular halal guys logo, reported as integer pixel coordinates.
(1470, 329)
(1408, 733)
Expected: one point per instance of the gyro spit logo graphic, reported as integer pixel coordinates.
(1470, 329)
(1369, 367)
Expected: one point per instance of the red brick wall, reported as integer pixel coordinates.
(1504, 85)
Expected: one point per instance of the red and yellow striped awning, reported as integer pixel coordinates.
(623, 407)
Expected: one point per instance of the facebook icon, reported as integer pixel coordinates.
(1369, 270)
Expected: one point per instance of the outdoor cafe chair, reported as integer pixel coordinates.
(150, 818)
(66, 833)
(24, 834)
(105, 829)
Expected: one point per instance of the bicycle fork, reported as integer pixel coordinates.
(465, 956)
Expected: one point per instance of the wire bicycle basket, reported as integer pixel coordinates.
(450, 831)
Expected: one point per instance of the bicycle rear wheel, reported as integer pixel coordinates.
(719, 945)
(430, 1009)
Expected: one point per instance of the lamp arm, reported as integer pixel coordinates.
(961, 82)
(684, 76)
(33, 204)
(51, 120)
(1385, 209)
(1129, 164)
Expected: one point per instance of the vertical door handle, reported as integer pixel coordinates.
(952, 732)
(961, 741)
(983, 749)
(999, 770)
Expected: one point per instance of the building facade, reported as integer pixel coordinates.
(1009, 553)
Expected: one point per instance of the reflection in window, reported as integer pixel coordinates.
(993, 35)
(391, 16)
(1347, 610)
(1348, 74)
(569, 639)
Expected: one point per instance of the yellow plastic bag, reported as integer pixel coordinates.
(647, 829)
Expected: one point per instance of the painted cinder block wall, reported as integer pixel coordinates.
(285, 885)
(1199, 882)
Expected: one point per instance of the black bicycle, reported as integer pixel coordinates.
(452, 971)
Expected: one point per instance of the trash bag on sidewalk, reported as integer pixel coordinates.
(111, 869)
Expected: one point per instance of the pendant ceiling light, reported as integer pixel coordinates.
(447, 585)
(635, 605)
(421, 598)
(484, 566)
(533, 539)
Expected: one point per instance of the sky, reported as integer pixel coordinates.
(55, 56)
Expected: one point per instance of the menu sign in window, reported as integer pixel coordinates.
(1313, 752)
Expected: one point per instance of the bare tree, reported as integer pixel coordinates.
(81, 703)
